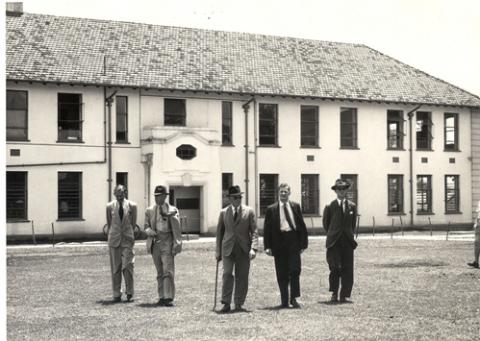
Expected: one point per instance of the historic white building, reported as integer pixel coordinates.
(93, 103)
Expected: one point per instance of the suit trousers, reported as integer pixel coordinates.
(340, 263)
(288, 266)
(165, 265)
(237, 261)
(121, 261)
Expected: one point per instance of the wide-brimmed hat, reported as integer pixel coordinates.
(159, 190)
(341, 184)
(234, 191)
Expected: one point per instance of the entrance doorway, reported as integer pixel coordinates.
(187, 200)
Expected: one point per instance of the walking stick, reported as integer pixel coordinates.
(216, 285)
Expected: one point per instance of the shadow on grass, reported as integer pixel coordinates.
(149, 305)
(334, 303)
(276, 307)
(108, 302)
(242, 311)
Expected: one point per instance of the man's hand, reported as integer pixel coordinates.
(252, 254)
(269, 252)
(301, 250)
(150, 232)
(218, 258)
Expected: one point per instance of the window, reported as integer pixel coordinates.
(348, 128)
(186, 152)
(16, 196)
(310, 194)
(17, 115)
(227, 182)
(227, 123)
(70, 117)
(175, 112)
(395, 129)
(424, 194)
(424, 130)
(268, 191)
(268, 124)
(451, 131)
(122, 179)
(452, 194)
(309, 126)
(122, 119)
(69, 195)
(395, 194)
(352, 192)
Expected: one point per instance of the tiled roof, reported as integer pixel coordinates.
(64, 49)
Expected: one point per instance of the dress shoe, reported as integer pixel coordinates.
(225, 309)
(295, 304)
(334, 298)
(343, 299)
(239, 308)
(473, 264)
(117, 299)
(168, 302)
(129, 297)
(161, 302)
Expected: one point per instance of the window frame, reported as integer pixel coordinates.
(79, 198)
(24, 195)
(266, 200)
(80, 120)
(315, 123)
(398, 138)
(424, 193)
(117, 114)
(428, 126)
(457, 194)
(354, 129)
(183, 115)
(225, 186)
(400, 191)
(352, 192)
(313, 200)
(227, 121)
(455, 131)
(274, 121)
(25, 129)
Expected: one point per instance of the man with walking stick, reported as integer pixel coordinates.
(237, 244)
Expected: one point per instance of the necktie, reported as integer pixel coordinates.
(120, 211)
(235, 215)
(287, 216)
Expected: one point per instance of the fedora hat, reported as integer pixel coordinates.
(234, 191)
(341, 184)
(159, 190)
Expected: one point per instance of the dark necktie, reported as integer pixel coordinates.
(120, 211)
(235, 215)
(287, 216)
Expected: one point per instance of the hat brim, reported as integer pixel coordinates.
(340, 187)
(155, 194)
(235, 194)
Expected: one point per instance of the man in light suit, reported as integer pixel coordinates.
(285, 238)
(121, 222)
(162, 226)
(476, 244)
(339, 220)
(237, 244)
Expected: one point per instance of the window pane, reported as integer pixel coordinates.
(451, 131)
(17, 115)
(348, 127)
(310, 193)
(122, 119)
(352, 193)
(268, 191)
(395, 129)
(267, 124)
(69, 195)
(424, 194)
(69, 117)
(423, 130)
(226, 122)
(175, 112)
(16, 188)
(395, 193)
(227, 182)
(452, 194)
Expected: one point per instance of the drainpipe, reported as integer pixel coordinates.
(255, 147)
(410, 151)
(148, 163)
(109, 101)
(246, 107)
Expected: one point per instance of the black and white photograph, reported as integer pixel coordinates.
(241, 170)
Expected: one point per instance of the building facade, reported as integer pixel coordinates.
(73, 135)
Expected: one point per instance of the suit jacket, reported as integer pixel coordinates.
(336, 223)
(120, 231)
(244, 230)
(272, 236)
(173, 222)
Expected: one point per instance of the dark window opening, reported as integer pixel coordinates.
(69, 117)
(175, 112)
(395, 129)
(424, 194)
(227, 123)
(309, 126)
(69, 195)
(122, 119)
(310, 194)
(395, 193)
(348, 128)
(268, 117)
(268, 191)
(17, 115)
(16, 196)
(424, 130)
(227, 182)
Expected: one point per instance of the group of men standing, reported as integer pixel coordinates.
(285, 238)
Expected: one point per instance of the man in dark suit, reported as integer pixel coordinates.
(339, 220)
(285, 238)
(237, 244)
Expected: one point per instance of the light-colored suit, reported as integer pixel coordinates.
(235, 239)
(121, 241)
(164, 247)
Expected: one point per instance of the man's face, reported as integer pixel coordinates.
(284, 193)
(160, 199)
(120, 193)
(235, 200)
(341, 192)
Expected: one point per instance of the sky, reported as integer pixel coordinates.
(440, 37)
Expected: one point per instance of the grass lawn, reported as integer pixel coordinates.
(404, 290)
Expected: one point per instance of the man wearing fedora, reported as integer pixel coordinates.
(285, 238)
(121, 222)
(339, 221)
(237, 244)
(164, 242)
